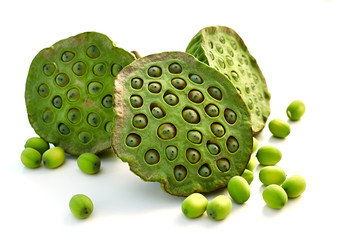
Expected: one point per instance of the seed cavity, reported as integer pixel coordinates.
(222, 40)
(99, 69)
(49, 69)
(74, 115)
(93, 119)
(154, 87)
(196, 96)
(232, 144)
(193, 155)
(67, 56)
(171, 98)
(57, 102)
(108, 127)
(191, 115)
(211, 45)
(196, 78)
(133, 140)
(194, 136)
(229, 60)
(219, 48)
(221, 62)
(211, 55)
(73, 95)
(213, 148)
(217, 129)
(85, 137)
(180, 172)
(107, 101)
(212, 110)
(94, 88)
(79, 68)
(140, 121)
(62, 79)
(93, 52)
(152, 157)
(204, 170)
(250, 104)
(43, 90)
(215, 93)
(171, 152)
(116, 69)
(179, 83)
(137, 83)
(223, 164)
(230, 116)
(136, 101)
(233, 44)
(230, 52)
(154, 71)
(48, 116)
(63, 129)
(235, 76)
(175, 68)
(157, 111)
(166, 131)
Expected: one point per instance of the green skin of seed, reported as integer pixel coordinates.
(295, 110)
(272, 175)
(252, 163)
(248, 175)
(81, 206)
(188, 135)
(45, 118)
(194, 205)
(219, 208)
(268, 155)
(294, 186)
(222, 48)
(279, 128)
(275, 196)
(54, 157)
(31, 158)
(38, 144)
(239, 189)
(89, 163)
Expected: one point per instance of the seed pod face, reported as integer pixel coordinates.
(294, 186)
(275, 196)
(272, 175)
(223, 49)
(195, 151)
(268, 155)
(67, 83)
(279, 128)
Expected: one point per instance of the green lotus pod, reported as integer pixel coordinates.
(69, 91)
(223, 49)
(182, 145)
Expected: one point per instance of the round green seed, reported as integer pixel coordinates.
(219, 208)
(252, 163)
(81, 206)
(194, 205)
(272, 175)
(279, 128)
(31, 158)
(53, 157)
(275, 196)
(166, 131)
(294, 186)
(295, 110)
(239, 189)
(248, 175)
(38, 144)
(255, 145)
(268, 155)
(89, 163)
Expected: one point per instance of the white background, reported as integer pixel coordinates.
(307, 50)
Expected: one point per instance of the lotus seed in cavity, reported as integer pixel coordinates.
(154, 71)
(136, 101)
(93, 119)
(133, 140)
(94, 87)
(194, 136)
(108, 127)
(63, 129)
(175, 68)
(239, 189)
(213, 148)
(215, 93)
(223, 165)
(107, 101)
(196, 96)
(93, 52)
(178, 83)
(217, 129)
(81, 206)
(157, 112)
(74, 115)
(152, 157)
(54, 157)
(48, 116)
(43, 90)
(49, 69)
(193, 155)
(295, 110)
(196, 79)
(31, 158)
(89, 163)
(79, 68)
(180, 172)
(294, 186)
(221, 62)
(171, 152)
(99, 69)
(212, 110)
(232, 144)
(38, 144)
(67, 56)
(137, 83)
(219, 48)
(57, 102)
(275, 196)
(204, 171)
(116, 69)
(166, 131)
(140, 121)
(73, 94)
(230, 116)
(171, 99)
(154, 87)
(84, 137)
(194, 205)
(62, 79)
(191, 116)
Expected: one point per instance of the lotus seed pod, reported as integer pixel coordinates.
(194, 205)
(53, 157)
(31, 158)
(89, 163)
(239, 189)
(81, 206)
(295, 110)
(252, 163)
(222, 48)
(38, 144)
(272, 175)
(248, 175)
(279, 128)
(255, 145)
(268, 155)
(219, 208)
(275, 196)
(68, 81)
(194, 148)
(294, 186)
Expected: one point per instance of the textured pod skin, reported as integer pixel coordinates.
(279, 128)
(295, 110)
(31, 158)
(219, 208)
(268, 155)
(89, 163)
(38, 144)
(81, 206)
(54, 157)
(294, 186)
(275, 196)
(272, 175)
(222, 48)
(248, 175)
(196, 168)
(239, 189)
(69, 92)
(194, 205)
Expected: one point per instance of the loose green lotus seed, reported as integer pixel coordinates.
(193, 155)
(152, 156)
(38, 144)
(196, 96)
(133, 140)
(93, 52)
(57, 102)
(294, 186)
(115, 69)
(171, 99)
(196, 79)
(248, 175)
(252, 163)
(194, 205)
(213, 148)
(154, 87)
(204, 170)
(230, 116)
(81, 206)
(223, 164)
(89, 163)
(171, 152)
(219, 208)
(31, 158)
(140, 121)
(166, 131)
(67, 56)
(217, 129)
(175, 68)
(154, 71)
(99, 69)
(95, 88)
(179, 83)
(212, 110)
(215, 93)
(53, 157)
(157, 112)
(79, 68)
(232, 144)
(194, 136)
(268, 155)
(43, 90)
(275, 196)
(49, 69)
(107, 101)
(272, 175)
(191, 116)
(295, 110)
(137, 83)
(108, 127)
(136, 101)
(239, 189)
(279, 128)
(255, 145)
(180, 172)
(62, 79)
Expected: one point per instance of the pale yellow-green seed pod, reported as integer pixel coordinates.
(194, 205)
(272, 175)
(294, 186)
(54, 157)
(279, 128)
(275, 196)
(239, 189)
(295, 110)
(219, 208)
